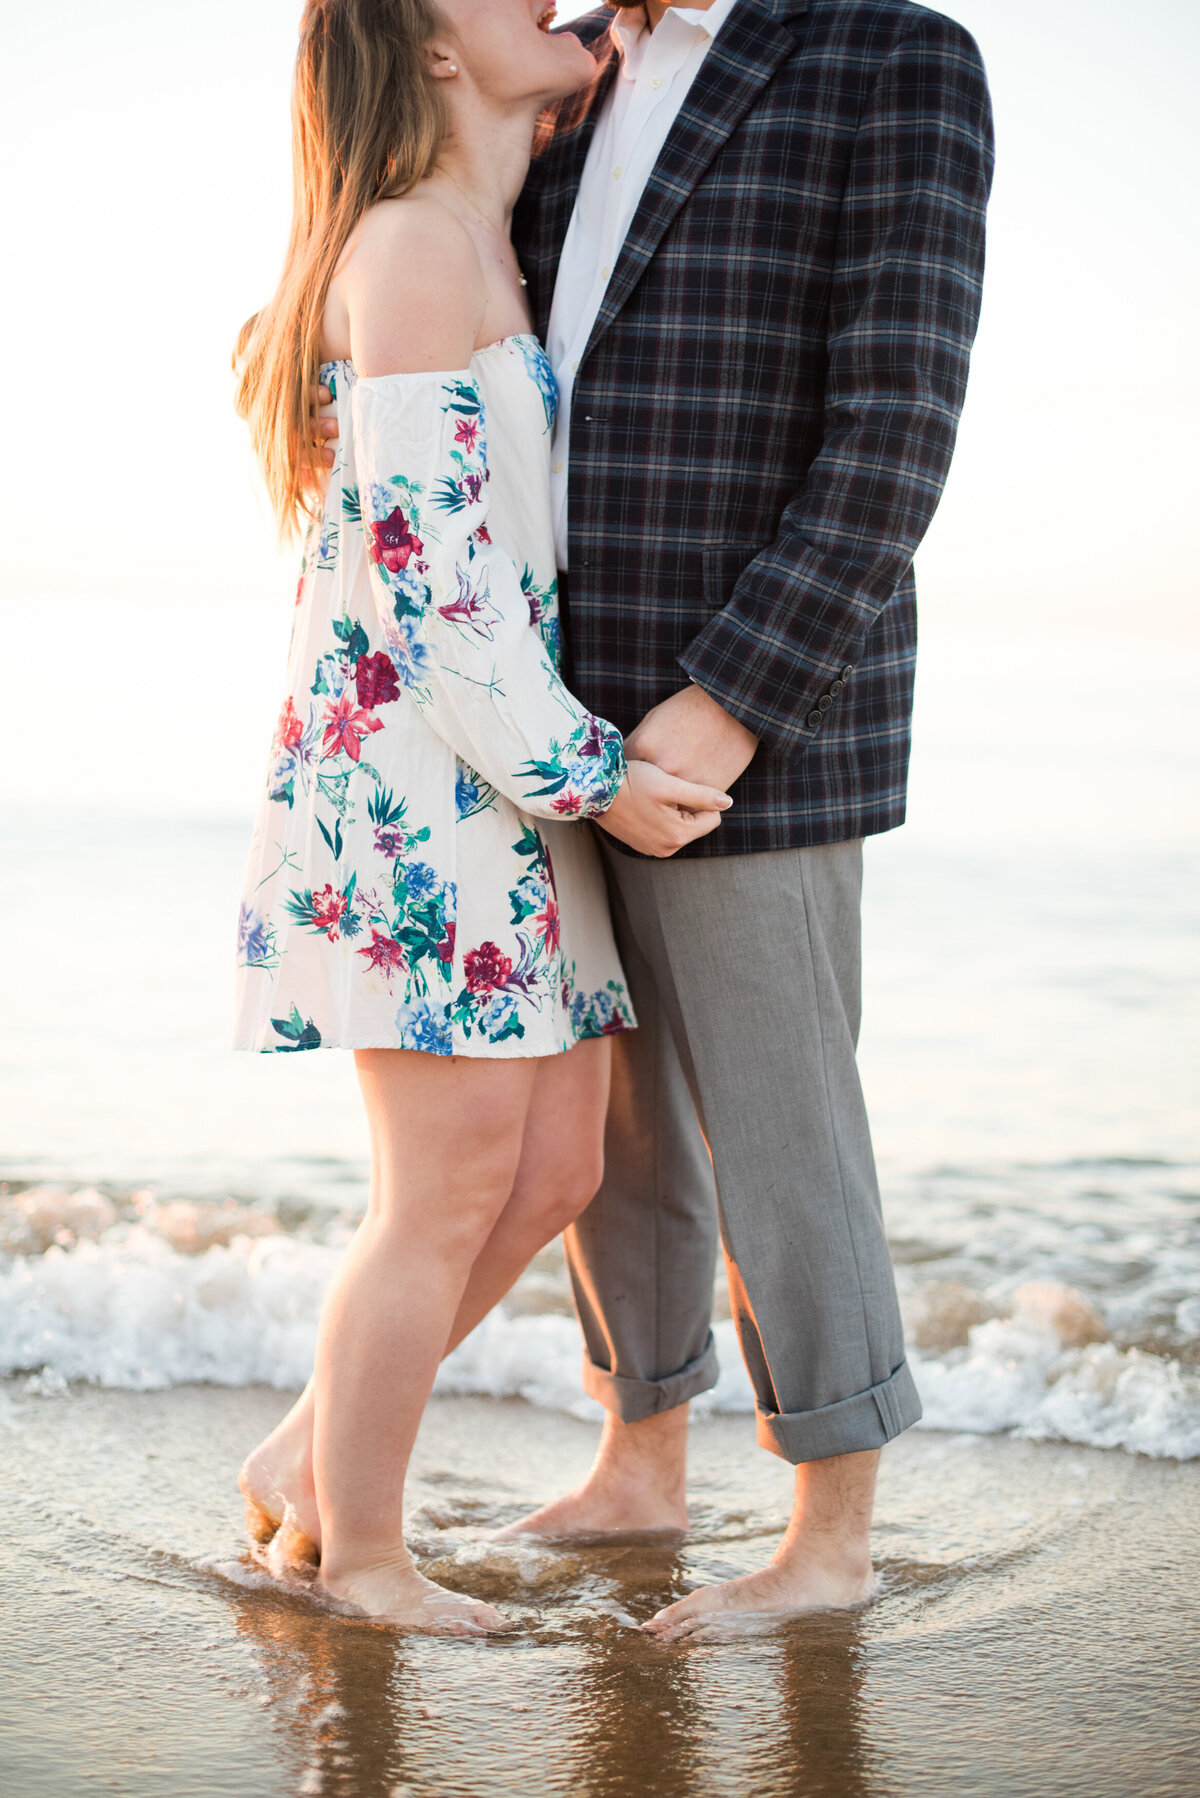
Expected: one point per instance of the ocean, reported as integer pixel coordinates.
(170, 1212)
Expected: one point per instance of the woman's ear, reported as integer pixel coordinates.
(442, 65)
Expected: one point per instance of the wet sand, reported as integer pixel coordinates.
(1037, 1633)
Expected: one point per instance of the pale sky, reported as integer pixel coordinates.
(145, 145)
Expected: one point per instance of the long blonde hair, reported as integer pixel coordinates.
(368, 121)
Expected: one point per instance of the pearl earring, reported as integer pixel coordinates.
(453, 68)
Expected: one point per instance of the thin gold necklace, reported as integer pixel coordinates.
(484, 219)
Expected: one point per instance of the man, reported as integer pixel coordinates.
(754, 248)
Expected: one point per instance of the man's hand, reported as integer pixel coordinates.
(691, 736)
(324, 430)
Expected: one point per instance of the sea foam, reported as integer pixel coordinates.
(130, 1309)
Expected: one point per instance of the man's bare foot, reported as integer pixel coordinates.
(637, 1485)
(281, 1501)
(823, 1562)
(758, 1602)
(393, 1592)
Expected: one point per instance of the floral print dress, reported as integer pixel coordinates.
(420, 876)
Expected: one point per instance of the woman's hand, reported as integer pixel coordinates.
(657, 813)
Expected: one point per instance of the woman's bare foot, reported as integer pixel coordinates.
(393, 1592)
(637, 1485)
(759, 1601)
(276, 1482)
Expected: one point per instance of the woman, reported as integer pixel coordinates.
(422, 888)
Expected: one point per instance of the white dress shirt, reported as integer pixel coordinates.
(656, 70)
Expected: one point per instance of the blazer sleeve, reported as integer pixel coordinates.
(904, 306)
(458, 622)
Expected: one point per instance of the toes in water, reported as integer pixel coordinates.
(757, 1604)
(291, 1549)
(279, 1498)
(402, 1598)
(259, 1527)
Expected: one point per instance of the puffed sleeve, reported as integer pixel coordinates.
(455, 616)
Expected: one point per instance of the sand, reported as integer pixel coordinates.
(1037, 1633)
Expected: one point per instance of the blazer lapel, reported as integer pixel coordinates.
(737, 67)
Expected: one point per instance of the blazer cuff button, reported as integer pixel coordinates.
(814, 718)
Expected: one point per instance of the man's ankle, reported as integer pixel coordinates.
(831, 1513)
(649, 1452)
(849, 1554)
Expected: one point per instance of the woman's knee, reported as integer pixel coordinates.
(453, 1217)
(567, 1189)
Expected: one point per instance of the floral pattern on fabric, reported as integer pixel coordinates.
(580, 763)
(427, 760)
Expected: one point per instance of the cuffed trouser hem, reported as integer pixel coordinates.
(632, 1400)
(868, 1420)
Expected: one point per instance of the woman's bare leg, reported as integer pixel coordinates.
(276, 1478)
(448, 1134)
(558, 1174)
(562, 1163)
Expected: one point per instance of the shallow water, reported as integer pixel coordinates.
(1036, 1633)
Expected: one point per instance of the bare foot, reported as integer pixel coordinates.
(636, 1486)
(600, 1511)
(281, 1501)
(396, 1594)
(759, 1602)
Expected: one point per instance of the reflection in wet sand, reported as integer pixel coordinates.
(581, 1703)
(1032, 1639)
(333, 1690)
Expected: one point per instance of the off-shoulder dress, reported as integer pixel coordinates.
(420, 876)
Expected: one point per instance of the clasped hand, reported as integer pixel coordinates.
(682, 756)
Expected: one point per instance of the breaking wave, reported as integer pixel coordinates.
(131, 1293)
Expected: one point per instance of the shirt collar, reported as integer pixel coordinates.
(708, 20)
(630, 32)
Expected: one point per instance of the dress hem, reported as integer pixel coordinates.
(485, 1052)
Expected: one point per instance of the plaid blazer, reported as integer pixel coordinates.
(764, 415)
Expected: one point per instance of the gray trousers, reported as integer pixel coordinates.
(745, 971)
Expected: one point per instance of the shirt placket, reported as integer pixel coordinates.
(663, 60)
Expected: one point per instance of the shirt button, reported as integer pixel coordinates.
(574, 368)
(605, 273)
(558, 467)
(656, 81)
(616, 174)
